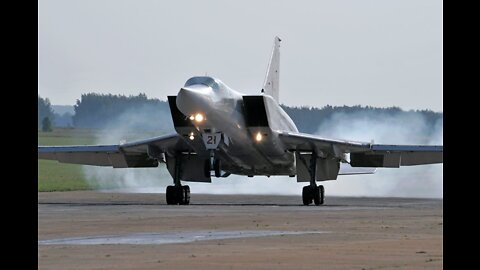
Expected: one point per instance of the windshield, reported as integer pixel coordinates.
(215, 84)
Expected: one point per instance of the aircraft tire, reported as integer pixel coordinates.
(307, 195)
(316, 196)
(179, 195)
(170, 195)
(185, 195)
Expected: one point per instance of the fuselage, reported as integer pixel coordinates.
(244, 149)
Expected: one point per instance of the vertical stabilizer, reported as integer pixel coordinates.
(271, 84)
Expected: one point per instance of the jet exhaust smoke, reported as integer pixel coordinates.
(401, 128)
(133, 124)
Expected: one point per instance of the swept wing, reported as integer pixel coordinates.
(143, 153)
(364, 154)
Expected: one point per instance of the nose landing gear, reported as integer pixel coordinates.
(213, 164)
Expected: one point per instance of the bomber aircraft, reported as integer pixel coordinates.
(220, 132)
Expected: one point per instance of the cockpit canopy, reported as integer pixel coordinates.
(214, 83)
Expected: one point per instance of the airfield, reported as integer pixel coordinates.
(95, 230)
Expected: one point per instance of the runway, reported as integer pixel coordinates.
(94, 230)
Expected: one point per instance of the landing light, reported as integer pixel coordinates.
(191, 137)
(199, 117)
(259, 137)
(192, 117)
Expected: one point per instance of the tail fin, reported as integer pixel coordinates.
(271, 84)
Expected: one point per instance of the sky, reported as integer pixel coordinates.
(341, 52)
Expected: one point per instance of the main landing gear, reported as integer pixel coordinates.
(178, 194)
(313, 192)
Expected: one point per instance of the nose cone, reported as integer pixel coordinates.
(194, 99)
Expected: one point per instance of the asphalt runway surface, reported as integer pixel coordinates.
(95, 230)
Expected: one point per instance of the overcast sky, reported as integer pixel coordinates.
(377, 53)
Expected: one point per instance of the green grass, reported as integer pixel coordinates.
(67, 136)
(54, 176)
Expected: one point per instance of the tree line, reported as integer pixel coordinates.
(99, 111)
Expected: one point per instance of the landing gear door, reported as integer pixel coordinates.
(212, 140)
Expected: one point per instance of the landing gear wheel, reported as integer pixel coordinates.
(170, 194)
(217, 167)
(178, 195)
(319, 195)
(316, 195)
(186, 195)
(307, 195)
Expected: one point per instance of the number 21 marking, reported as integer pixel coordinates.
(211, 140)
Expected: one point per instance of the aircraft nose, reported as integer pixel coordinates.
(193, 99)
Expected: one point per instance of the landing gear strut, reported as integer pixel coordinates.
(178, 194)
(313, 192)
(213, 164)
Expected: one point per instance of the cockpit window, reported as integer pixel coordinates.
(215, 84)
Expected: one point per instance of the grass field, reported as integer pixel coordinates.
(55, 176)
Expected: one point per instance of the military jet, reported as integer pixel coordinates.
(220, 132)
